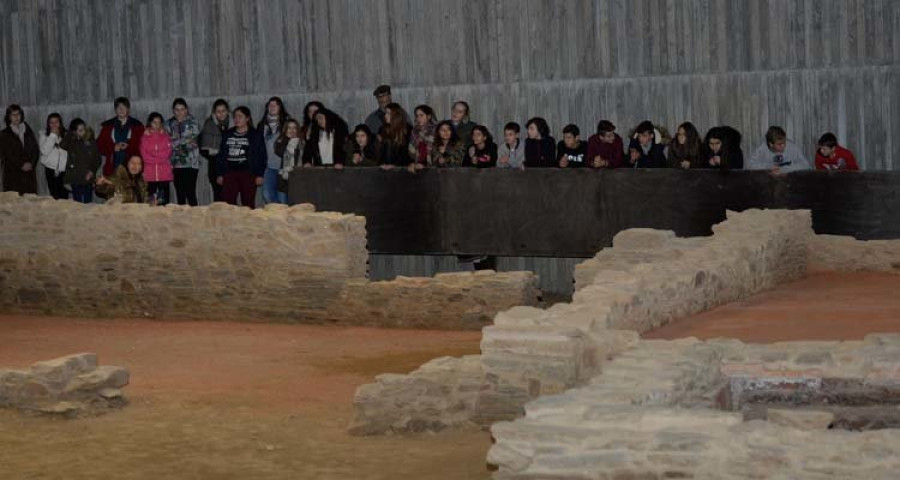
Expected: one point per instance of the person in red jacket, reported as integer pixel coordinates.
(831, 156)
(120, 137)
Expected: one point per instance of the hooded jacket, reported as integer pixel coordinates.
(156, 149)
(654, 157)
(83, 158)
(790, 160)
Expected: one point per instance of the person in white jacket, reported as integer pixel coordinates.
(53, 157)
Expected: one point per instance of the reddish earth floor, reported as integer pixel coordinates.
(230, 401)
(828, 306)
(257, 401)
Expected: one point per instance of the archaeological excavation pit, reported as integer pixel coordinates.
(540, 381)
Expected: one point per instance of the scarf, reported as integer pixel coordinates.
(272, 123)
(19, 130)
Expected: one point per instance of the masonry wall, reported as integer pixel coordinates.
(654, 412)
(648, 278)
(224, 263)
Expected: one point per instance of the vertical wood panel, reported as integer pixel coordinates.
(808, 65)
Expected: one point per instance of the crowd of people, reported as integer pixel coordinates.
(141, 161)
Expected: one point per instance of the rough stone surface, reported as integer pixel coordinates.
(440, 394)
(68, 386)
(656, 412)
(802, 419)
(647, 279)
(832, 252)
(288, 264)
(459, 301)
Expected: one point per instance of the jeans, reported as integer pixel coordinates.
(83, 193)
(270, 188)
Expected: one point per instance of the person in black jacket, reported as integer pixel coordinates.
(325, 147)
(572, 152)
(362, 148)
(241, 161)
(483, 152)
(540, 147)
(649, 153)
(722, 149)
(19, 153)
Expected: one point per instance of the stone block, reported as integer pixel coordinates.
(60, 371)
(98, 379)
(800, 419)
(643, 239)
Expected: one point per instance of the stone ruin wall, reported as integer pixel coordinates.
(646, 279)
(656, 412)
(846, 254)
(287, 264)
(600, 403)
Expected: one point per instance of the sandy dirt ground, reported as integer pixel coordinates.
(214, 400)
(827, 306)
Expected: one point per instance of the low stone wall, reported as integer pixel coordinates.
(459, 301)
(837, 253)
(219, 262)
(225, 263)
(646, 279)
(71, 386)
(657, 412)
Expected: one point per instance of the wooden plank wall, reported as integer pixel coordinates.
(809, 65)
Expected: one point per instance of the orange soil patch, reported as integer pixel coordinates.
(827, 306)
(230, 401)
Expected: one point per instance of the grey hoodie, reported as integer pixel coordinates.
(516, 155)
(791, 160)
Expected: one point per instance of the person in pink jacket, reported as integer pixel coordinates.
(156, 149)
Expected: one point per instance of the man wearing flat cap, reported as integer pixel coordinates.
(375, 120)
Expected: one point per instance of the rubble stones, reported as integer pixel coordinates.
(69, 386)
